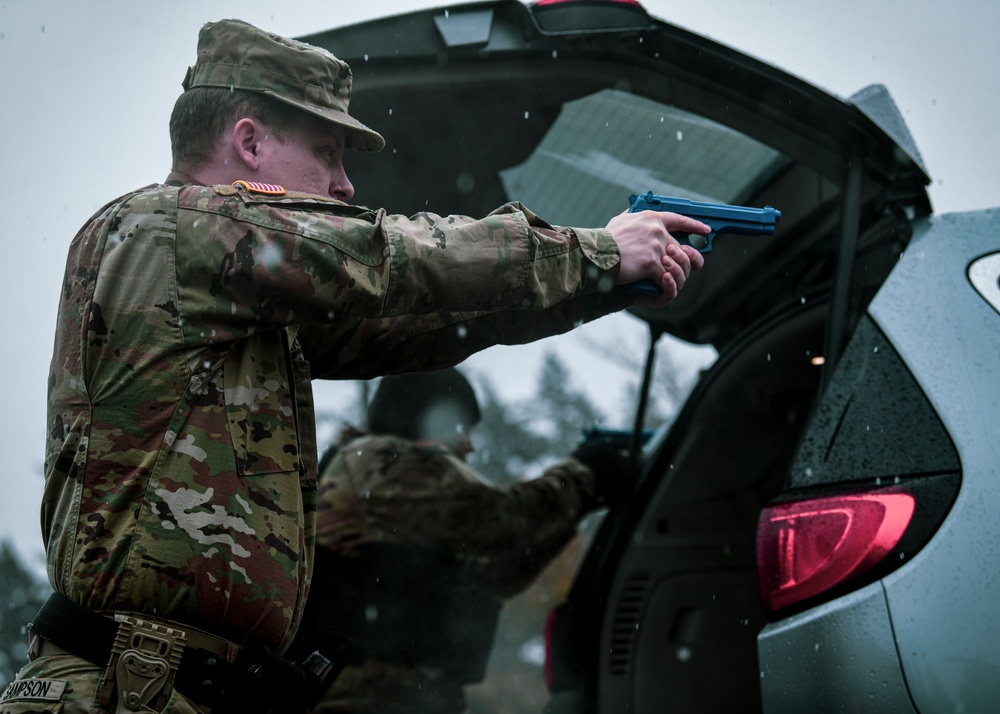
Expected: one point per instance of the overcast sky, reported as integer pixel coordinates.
(87, 89)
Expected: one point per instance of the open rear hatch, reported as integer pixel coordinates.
(570, 111)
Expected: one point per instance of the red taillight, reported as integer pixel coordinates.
(807, 547)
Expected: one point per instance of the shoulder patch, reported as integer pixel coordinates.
(269, 189)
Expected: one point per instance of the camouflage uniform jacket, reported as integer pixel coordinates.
(180, 469)
(388, 490)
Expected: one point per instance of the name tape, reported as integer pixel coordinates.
(50, 690)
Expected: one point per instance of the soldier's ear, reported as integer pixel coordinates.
(247, 136)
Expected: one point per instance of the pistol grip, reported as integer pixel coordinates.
(642, 288)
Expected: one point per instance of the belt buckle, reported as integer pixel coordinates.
(143, 664)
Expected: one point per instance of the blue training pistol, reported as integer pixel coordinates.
(720, 217)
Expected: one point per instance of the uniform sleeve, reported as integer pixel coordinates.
(426, 497)
(358, 348)
(241, 260)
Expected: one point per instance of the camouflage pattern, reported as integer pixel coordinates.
(365, 348)
(233, 54)
(386, 489)
(180, 469)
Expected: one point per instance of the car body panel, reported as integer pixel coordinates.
(952, 662)
(837, 657)
(931, 616)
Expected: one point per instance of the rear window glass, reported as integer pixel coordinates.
(600, 149)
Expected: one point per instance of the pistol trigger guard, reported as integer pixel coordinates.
(707, 248)
(699, 240)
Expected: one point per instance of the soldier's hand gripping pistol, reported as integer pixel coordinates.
(722, 218)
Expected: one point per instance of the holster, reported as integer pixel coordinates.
(144, 662)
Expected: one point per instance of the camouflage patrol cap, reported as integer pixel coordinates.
(236, 55)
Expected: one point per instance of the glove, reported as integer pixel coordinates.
(610, 464)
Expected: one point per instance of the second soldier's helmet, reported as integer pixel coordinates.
(440, 406)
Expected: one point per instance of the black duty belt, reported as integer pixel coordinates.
(207, 669)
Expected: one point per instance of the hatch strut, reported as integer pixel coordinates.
(635, 448)
(836, 335)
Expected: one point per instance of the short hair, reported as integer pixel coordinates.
(410, 405)
(201, 116)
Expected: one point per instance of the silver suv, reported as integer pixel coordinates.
(816, 530)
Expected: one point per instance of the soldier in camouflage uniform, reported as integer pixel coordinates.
(416, 551)
(180, 468)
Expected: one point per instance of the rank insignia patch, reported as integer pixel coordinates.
(267, 188)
